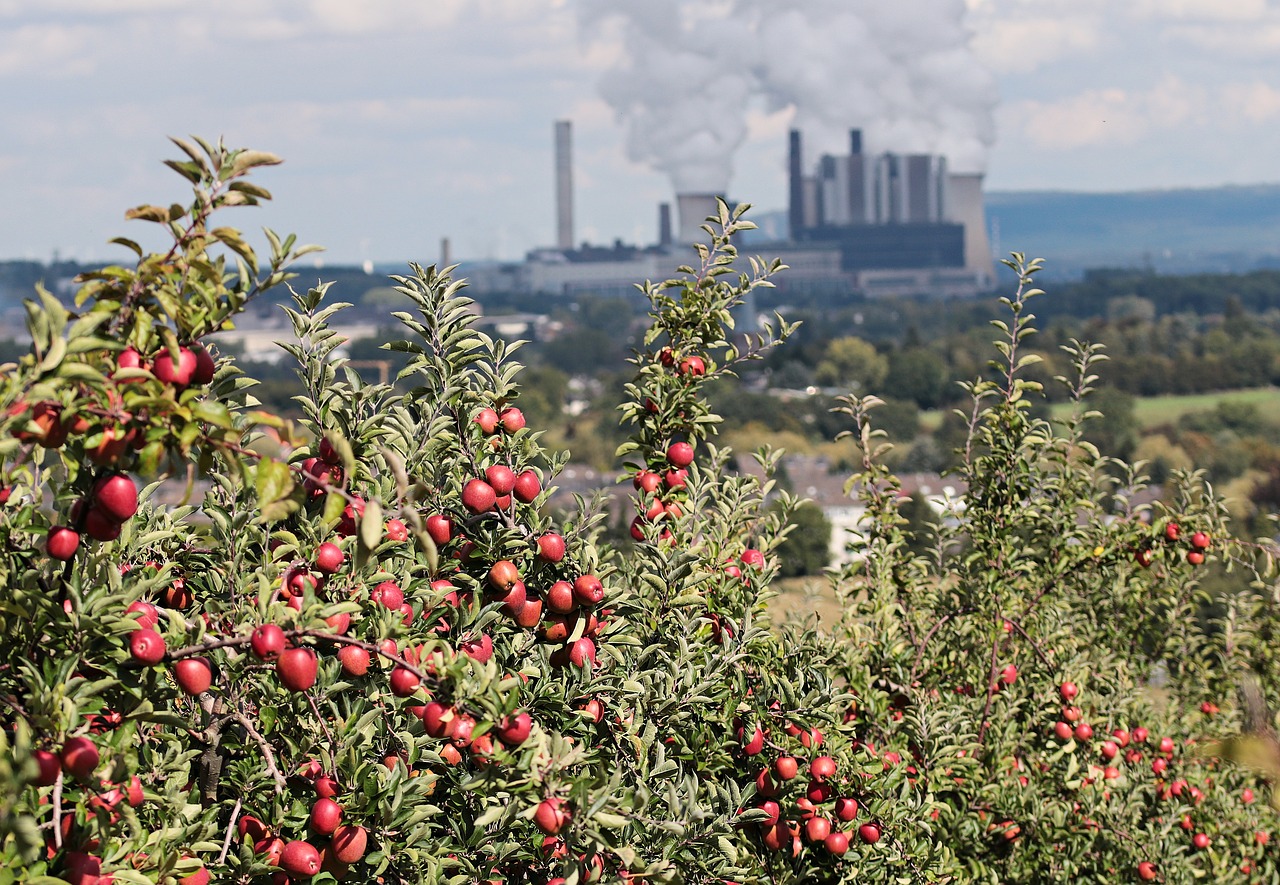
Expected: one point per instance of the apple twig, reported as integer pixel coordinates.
(231, 827)
(267, 754)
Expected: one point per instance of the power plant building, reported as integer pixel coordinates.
(884, 224)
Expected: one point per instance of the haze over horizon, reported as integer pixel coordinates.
(401, 124)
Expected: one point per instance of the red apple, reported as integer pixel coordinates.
(680, 454)
(551, 816)
(47, 767)
(297, 668)
(837, 843)
(116, 496)
(551, 547)
(329, 558)
(194, 675)
(397, 530)
(325, 817)
(354, 660)
(300, 858)
(822, 768)
(389, 594)
(440, 528)
(1200, 541)
(403, 682)
(503, 574)
(786, 767)
(79, 757)
(527, 487)
(478, 496)
(349, 843)
(267, 641)
(501, 478)
(147, 646)
(205, 367)
(148, 617)
(512, 419)
(869, 833)
(588, 590)
(514, 730)
(62, 542)
(179, 373)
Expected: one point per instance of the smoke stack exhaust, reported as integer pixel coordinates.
(964, 205)
(694, 209)
(564, 184)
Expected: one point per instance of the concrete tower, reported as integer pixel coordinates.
(964, 205)
(564, 184)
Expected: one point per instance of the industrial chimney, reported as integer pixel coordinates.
(964, 205)
(693, 210)
(564, 184)
(664, 225)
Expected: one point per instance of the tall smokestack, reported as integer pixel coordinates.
(964, 204)
(694, 209)
(855, 142)
(664, 225)
(795, 184)
(564, 184)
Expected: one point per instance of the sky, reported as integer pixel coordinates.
(402, 122)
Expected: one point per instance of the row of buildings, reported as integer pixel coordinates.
(859, 223)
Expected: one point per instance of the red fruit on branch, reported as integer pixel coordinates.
(503, 574)
(527, 487)
(440, 528)
(205, 366)
(194, 675)
(680, 454)
(786, 767)
(1147, 871)
(487, 421)
(512, 419)
(869, 833)
(329, 558)
(693, 366)
(588, 589)
(551, 816)
(389, 594)
(147, 615)
(267, 641)
(403, 682)
(514, 730)
(116, 496)
(501, 478)
(822, 768)
(300, 858)
(354, 660)
(180, 372)
(79, 757)
(397, 531)
(62, 543)
(1200, 541)
(349, 843)
(297, 668)
(147, 646)
(837, 843)
(551, 547)
(1068, 691)
(326, 815)
(47, 768)
(478, 496)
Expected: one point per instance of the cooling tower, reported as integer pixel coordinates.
(693, 210)
(564, 184)
(964, 205)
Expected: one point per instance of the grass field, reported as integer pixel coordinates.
(1152, 411)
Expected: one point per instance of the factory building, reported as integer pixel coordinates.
(877, 225)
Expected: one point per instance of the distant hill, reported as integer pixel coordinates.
(1222, 229)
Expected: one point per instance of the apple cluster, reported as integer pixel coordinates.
(1169, 538)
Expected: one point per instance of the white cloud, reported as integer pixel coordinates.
(1024, 44)
(1256, 102)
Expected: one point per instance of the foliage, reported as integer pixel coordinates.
(368, 653)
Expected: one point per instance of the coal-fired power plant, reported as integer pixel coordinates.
(888, 211)
(864, 223)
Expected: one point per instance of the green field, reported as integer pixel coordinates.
(1152, 411)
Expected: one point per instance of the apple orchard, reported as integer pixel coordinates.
(368, 653)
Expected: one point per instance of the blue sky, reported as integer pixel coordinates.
(404, 122)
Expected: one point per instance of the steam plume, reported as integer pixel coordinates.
(901, 71)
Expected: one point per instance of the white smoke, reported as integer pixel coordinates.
(680, 85)
(901, 71)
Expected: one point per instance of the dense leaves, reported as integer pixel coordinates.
(359, 647)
